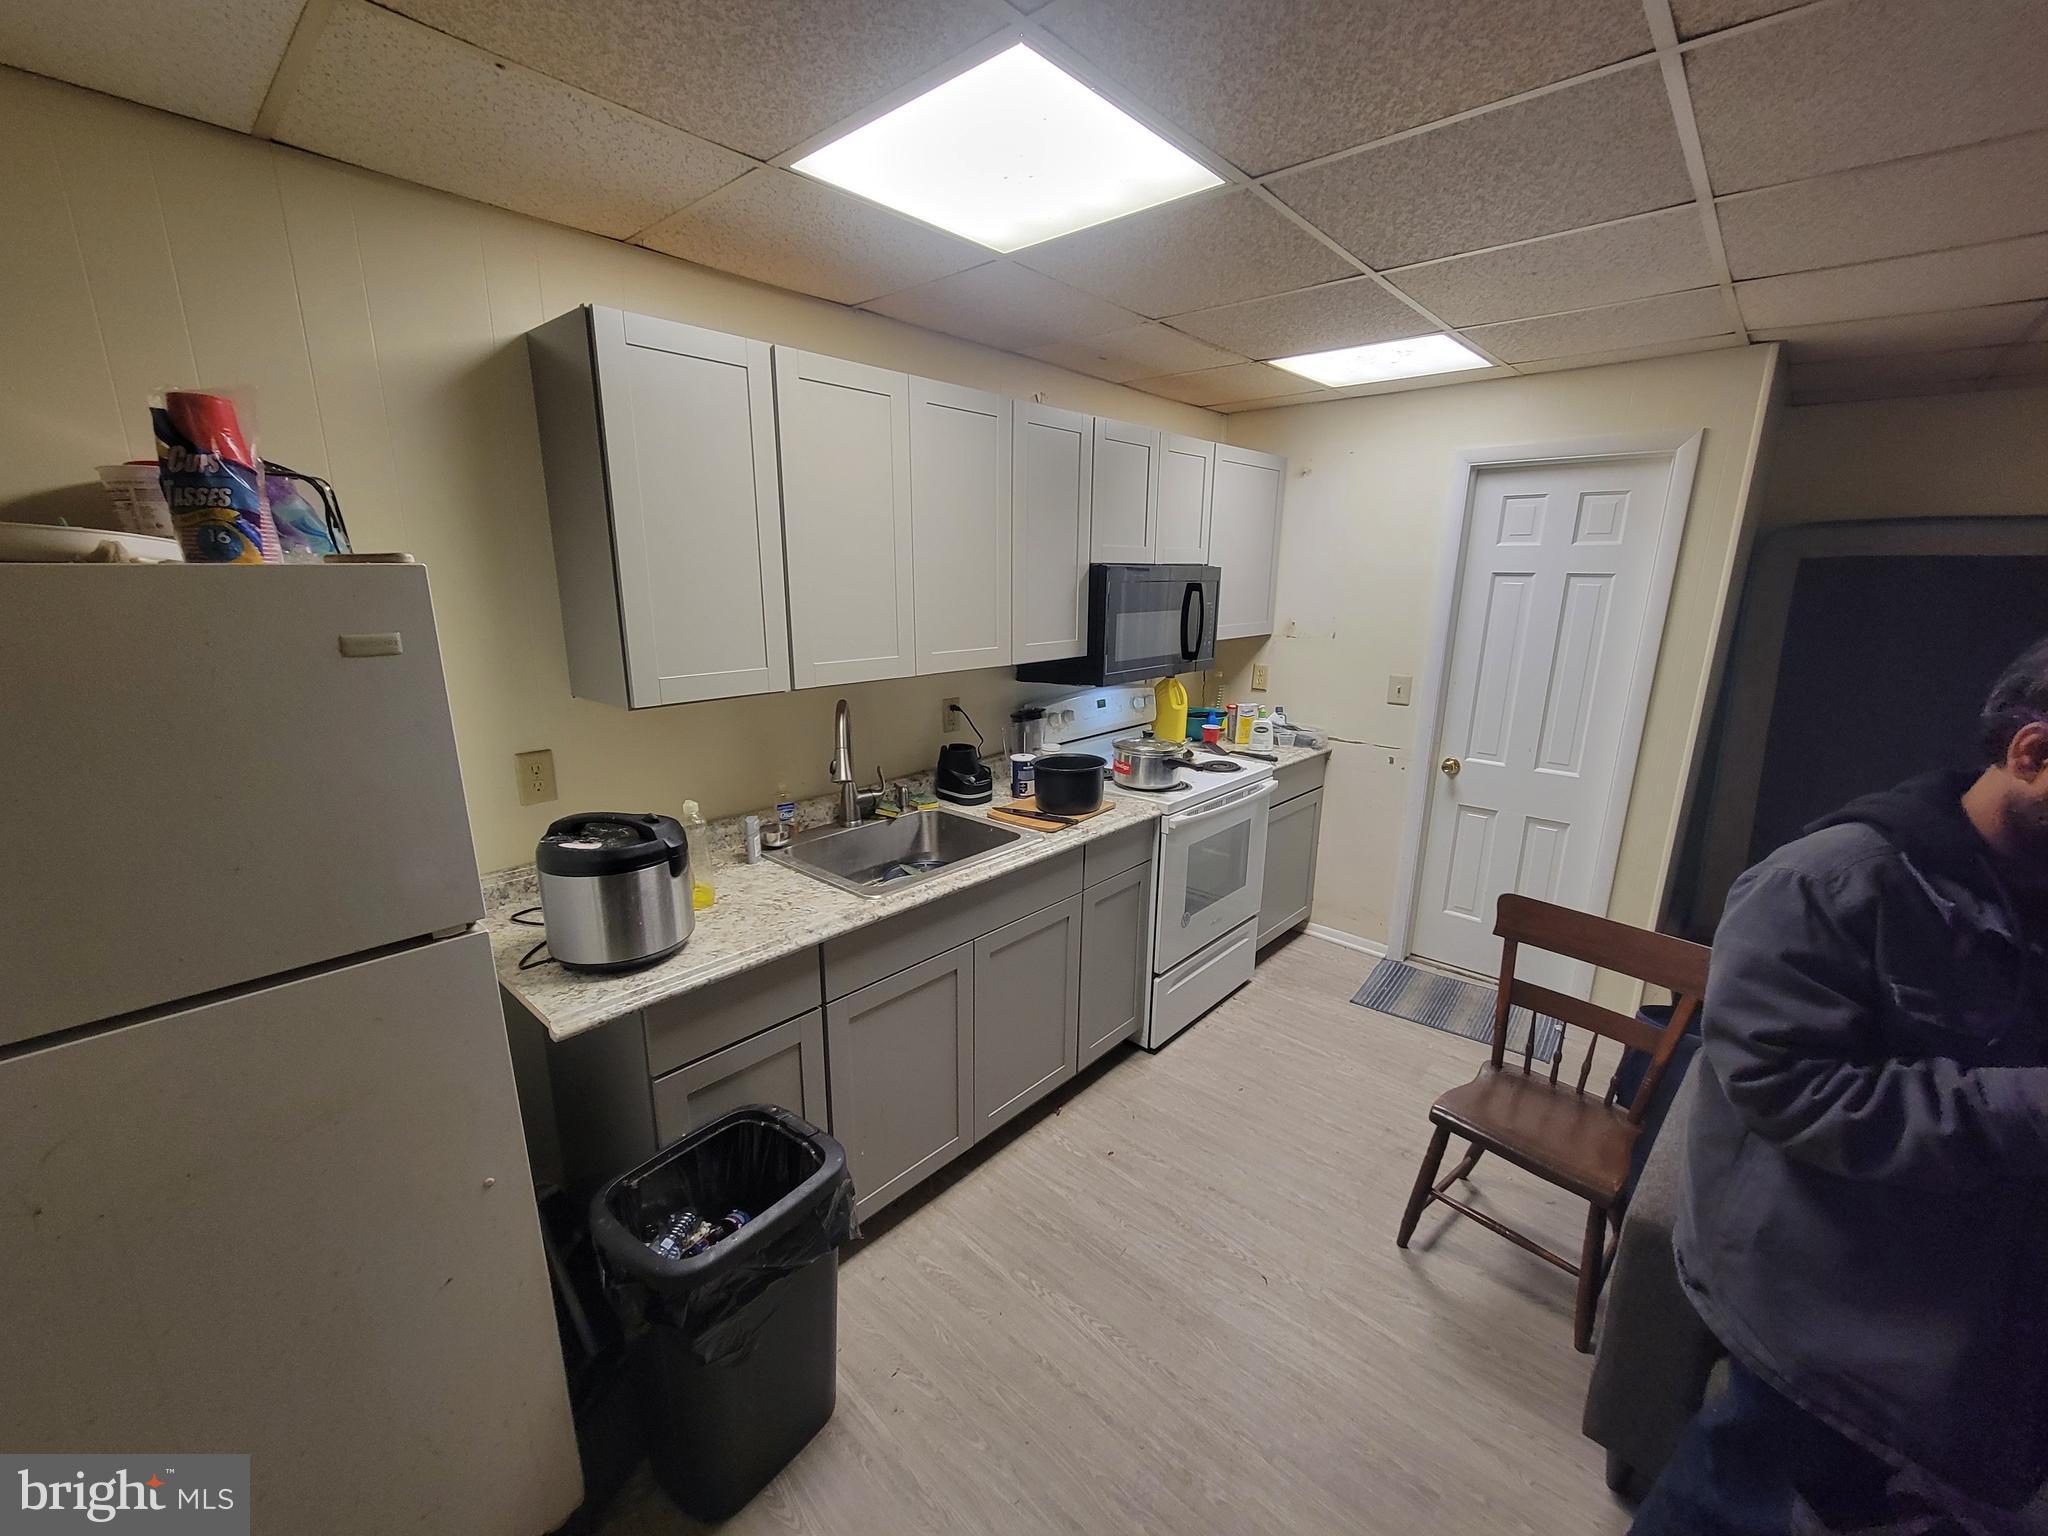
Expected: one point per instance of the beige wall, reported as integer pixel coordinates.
(379, 327)
(1369, 488)
(1975, 455)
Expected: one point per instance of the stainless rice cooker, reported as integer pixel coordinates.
(1145, 762)
(614, 889)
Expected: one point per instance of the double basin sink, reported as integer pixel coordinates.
(878, 857)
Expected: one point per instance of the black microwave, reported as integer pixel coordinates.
(1144, 621)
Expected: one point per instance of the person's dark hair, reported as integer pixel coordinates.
(2018, 698)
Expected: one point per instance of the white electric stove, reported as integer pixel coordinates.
(1210, 860)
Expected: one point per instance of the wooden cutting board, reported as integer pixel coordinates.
(1025, 813)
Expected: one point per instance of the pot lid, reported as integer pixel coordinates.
(612, 843)
(1148, 746)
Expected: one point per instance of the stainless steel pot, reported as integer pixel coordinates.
(615, 889)
(1144, 762)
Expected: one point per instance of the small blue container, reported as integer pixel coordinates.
(1020, 775)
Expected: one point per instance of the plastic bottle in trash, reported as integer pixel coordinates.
(697, 835)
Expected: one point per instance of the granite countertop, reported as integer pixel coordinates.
(763, 911)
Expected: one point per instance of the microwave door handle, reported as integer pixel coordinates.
(1192, 599)
(1189, 818)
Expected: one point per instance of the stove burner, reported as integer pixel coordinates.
(1158, 789)
(1217, 765)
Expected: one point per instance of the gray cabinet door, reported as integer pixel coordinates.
(960, 526)
(1186, 468)
(1027, 986)
(1290, 864)
(1052, 481)
(784, 1066)
(1123, 525)
(1116, 922)
(1244, 539)
(902, 1074)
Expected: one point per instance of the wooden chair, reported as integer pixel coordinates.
(1556, 1130)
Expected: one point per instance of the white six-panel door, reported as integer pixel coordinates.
(1560, 572)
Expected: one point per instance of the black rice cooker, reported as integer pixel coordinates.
(615, 889)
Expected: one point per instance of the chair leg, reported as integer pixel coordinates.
(1465, 1166)
(1591, 1272)
(1419, 1196)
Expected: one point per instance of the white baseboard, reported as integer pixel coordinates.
(1364, 946)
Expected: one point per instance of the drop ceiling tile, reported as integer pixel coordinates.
(1638, 323)
(1630, 354)
(1221, 386)
(1582, 155)
(390, 94)
(1696, 18)
(777, 227)
(1846, 85)
(1004, 305)
(2003, 273)
(1142, 351)
(1271, 86)
(1940, 331)
(1215, 248)
(1359, 391)
(1959, 197)
(759, 77)
(209, 59)
(1341, 314)
(1661, 252)
(1868, 376)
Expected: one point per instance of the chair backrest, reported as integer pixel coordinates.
(1677, 965)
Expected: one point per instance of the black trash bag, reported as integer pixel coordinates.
(790, 1180)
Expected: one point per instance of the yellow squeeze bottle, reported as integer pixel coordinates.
(696, 834)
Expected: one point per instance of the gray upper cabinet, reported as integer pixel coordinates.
(1116, 929)
(1186, 469)
(1289, 892)
(902, 1074)
(1244, 539)
(845, 433)
(1027, 985)
(1052, 497)
(1125, 525)
(658, 444)
(960, 526)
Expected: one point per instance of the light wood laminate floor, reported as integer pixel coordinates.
(1172, 1303)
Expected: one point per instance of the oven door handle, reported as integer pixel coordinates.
(1244, 796)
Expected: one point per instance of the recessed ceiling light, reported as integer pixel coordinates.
(1010, 153)
(1385, 360)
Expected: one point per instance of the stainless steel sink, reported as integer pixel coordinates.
(877, 857)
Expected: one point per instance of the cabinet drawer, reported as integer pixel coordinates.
(882, 949)
(1119, 851)
(784, 1066)
(1299, 778)
(681, 1029)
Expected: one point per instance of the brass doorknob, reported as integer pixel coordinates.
(1451, 767)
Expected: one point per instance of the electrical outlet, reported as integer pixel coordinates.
(536, 776)
(1260, 677)
(1398, 689)
(946, 708)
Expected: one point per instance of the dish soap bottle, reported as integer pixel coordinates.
(697, 835)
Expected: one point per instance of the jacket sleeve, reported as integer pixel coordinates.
(1792, 1030)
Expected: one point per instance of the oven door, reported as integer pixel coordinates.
(1212, 869)
(1154, 620)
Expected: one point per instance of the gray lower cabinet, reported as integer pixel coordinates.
(902, 1074)
(1115, 923)
(784, 1066)
(1291, 832)
(1027, 982)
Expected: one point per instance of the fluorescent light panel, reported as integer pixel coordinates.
(1408, 359)
(1010, 153)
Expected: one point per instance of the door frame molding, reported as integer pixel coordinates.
(1683, 449)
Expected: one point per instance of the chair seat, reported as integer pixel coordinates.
(1570, 1138)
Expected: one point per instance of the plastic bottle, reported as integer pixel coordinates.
(697, 835)
(1262, 731)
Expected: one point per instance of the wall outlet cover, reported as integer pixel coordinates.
(536, 776)
(1260, 677)
(946, 720)
(1399, 689)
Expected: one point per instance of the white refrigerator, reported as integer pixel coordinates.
(263, 1186)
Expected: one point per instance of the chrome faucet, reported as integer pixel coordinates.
(842, 770)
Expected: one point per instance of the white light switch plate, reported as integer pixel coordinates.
(1398, 689)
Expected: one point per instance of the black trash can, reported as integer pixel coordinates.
(735, 1347)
